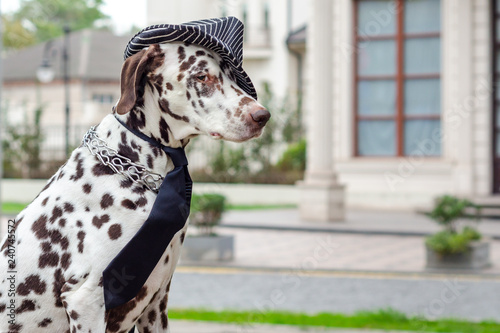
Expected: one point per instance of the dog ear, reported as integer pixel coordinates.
(133, 76)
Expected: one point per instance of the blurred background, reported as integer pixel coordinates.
(385, 120)
(398, 104)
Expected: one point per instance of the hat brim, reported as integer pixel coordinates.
(221, 35)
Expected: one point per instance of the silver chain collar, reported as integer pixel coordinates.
(137, 173)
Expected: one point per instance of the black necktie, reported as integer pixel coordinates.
(129, 270)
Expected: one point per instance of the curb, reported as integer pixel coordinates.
(339, 231)
(220, 268)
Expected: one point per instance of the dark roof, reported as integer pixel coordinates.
(298, 36)
(93, 55)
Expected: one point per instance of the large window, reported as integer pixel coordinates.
(397, 92)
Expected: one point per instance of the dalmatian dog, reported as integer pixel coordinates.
(87, 212)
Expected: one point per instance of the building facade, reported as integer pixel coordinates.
(402, 103)
(94, 66)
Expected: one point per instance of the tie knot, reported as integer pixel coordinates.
(177, 155)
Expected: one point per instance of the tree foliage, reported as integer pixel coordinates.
(40, 20)
(15, 35)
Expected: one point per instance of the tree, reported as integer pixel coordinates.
(15, 35)
(41, 20)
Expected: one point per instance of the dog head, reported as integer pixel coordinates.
(177, 91)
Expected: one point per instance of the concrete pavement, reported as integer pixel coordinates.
(373, 260)
(356, 222)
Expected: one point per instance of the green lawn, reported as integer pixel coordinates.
(383, 319)
(12, 207)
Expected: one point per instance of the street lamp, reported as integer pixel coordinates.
(45, 74)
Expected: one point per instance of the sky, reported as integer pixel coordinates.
(123, 13)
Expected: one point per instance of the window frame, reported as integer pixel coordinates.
(399, 77)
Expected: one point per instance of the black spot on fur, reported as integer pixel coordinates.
(106, 201)
(50, 259)
(102, 170)
(115, 231)
(56, 213)
(87, 188)
(26, 306)
(182, 53)
(126, 183)
(65, 260)
(68, 207)
(81, 238)
(136, 119)
(163, 103)
(39, 227)
(57, 286)
(74, 315)
(164, 130)
(79, 168)
(127, 151)
(129, 204)
(46, 247)
(152, 316)
(15, 328)
(45, 322)
(141, 202)
(32, 283)
(99, 221)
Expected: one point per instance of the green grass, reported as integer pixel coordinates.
(383, 319)
(258, 207)
(15, 207)
(12, 207)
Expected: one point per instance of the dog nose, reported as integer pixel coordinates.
(261, 117)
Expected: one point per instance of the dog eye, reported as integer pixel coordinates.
(202, 78)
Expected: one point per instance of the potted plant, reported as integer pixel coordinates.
(206, 245)
(455, 247)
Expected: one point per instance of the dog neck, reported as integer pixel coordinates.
(127, 144)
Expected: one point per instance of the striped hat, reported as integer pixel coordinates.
(222, 35)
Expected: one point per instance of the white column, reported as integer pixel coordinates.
(322, 198)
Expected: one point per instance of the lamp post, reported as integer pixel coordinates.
(45, 74)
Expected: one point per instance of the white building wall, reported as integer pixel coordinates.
(482, 76)
(465, 165)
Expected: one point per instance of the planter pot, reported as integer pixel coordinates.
(208, 248)
(477, 257)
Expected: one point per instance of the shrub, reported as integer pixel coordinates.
(206, 211)
(294, 158)
(447, 242)
(447, 210)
